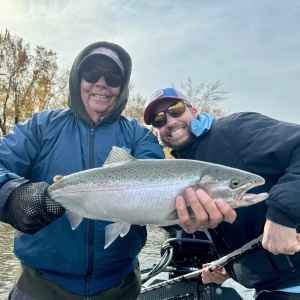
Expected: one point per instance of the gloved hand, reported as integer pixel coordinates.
(29, 208)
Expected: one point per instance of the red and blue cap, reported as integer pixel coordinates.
(168, 93)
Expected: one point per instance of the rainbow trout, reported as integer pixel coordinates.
(129, 191)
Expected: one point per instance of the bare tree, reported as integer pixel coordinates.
(135, 106)
(29, 82)
(205, 97)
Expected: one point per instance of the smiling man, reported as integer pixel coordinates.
(257, 144)
(178, 136)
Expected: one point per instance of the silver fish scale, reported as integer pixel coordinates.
(132, 191)
(140, 191)
(126, 191)
(133, 172)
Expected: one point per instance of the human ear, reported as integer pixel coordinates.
(194, 112)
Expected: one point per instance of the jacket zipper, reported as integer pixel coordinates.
(90, 226)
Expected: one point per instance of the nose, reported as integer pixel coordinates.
(170, 120)
(101, 82)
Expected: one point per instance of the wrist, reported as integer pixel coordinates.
(9, 187)
(277, 216)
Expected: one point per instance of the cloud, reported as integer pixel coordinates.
(252, 46)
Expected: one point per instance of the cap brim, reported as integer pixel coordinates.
(90, 56)
(149, 109)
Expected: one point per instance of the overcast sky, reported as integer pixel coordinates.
(252, 46)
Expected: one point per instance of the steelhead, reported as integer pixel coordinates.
(126, 190)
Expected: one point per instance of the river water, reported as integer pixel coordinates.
(8, 262)
(149, 255)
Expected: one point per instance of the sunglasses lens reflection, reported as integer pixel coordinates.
(160, 119)
(175, 111)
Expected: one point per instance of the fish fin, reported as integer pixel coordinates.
(117, 155)
(112, 231)
(18, 233)
(174, 215)
(57, 178)
(74, 219)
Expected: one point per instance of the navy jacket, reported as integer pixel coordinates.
(271, 149)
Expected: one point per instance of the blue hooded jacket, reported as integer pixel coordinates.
(63, 142)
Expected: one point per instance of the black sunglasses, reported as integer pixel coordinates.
(175, 110)
(111, 79)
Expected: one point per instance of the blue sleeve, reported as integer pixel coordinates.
(8, 187)
(17, 151)
(146, 144)
(20, 148)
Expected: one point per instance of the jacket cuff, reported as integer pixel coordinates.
(279, 217)
(8, 187)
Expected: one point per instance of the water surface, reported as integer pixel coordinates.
(149, 255)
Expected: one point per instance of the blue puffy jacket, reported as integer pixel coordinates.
(63, 142)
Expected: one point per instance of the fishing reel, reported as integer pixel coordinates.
(190, 252)
(180, 256)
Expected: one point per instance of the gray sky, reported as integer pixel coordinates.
(252, 46)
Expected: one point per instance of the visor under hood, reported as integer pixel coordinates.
(75, 102)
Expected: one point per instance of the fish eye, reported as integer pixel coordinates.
(234, 183)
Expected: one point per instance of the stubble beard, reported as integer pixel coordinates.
(181, 144)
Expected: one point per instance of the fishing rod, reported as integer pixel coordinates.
(213, 266)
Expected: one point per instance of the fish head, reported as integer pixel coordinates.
(232, 186)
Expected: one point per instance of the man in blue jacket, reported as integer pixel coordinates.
(56, 261)
(257, 144)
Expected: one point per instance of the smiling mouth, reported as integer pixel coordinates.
(176, 132)
(100, 96)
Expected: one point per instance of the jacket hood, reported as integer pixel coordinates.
(75, 102)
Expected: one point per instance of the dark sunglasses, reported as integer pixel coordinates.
(175, 110)
(111, 79)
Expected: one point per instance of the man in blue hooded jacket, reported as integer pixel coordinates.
(56, 261)
(257, 144)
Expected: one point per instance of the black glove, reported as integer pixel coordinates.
(29, 208)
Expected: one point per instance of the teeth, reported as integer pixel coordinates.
(176, 131)
(100, 96)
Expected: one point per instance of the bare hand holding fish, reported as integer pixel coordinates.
(207, 213)
(132, 191)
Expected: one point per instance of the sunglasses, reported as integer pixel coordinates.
(111, 79)
(174, 110)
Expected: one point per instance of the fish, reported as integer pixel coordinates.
(129, 191)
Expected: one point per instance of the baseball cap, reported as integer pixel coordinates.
(167, 93)
(106, 52)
